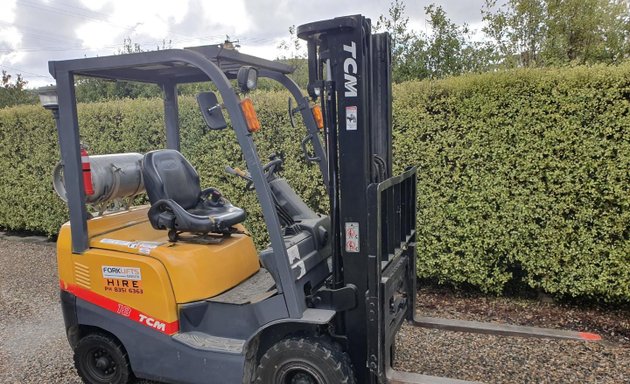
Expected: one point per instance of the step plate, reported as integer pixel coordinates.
(199, 340)
(258, 287)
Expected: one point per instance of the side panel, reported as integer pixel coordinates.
(156, 356)
(195, 271)
(128, 286)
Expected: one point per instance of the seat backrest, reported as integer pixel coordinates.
(168, 175)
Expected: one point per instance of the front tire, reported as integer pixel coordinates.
(305, 361)
(99, 359)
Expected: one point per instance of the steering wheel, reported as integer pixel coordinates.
(269, 170)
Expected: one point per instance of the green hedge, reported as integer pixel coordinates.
(29, 146)
(523, 175)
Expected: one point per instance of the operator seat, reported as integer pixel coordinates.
(177, 201)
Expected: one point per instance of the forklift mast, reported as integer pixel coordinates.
(350, 73)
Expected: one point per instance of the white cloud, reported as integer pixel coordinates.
(232, 15)
(150, 17)
(12, 57)
(268, 51)
(8, 11)
(10, 37)
(138, 19)
(94, 5)
(97, 34)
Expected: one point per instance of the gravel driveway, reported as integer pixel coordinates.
(33, 347)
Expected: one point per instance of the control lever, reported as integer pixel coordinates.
(243, 174)
(238, 172)
(309, 159)
(292, 112)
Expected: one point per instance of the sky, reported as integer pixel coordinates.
(32, 32)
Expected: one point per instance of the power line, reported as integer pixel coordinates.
(21, 72)
(83, 14)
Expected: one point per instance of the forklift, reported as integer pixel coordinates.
(176, 291)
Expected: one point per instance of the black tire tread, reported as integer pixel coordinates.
(325, 348)
(100, 337)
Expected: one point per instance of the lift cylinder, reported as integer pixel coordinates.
(114, 176)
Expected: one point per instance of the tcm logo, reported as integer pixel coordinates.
(151, 322)
(350, 70)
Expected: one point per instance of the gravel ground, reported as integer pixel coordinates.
(33, 347)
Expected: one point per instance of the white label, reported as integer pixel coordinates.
(146, 249)
(352, 237)
(116, 242)
(143, 247)
(294, 254)
(126, 273)
(351, 118)
(302, 269)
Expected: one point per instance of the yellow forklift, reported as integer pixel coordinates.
(177, 292)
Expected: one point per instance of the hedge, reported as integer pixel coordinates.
(523, 175)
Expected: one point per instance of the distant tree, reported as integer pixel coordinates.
(292, 52)
(450, 48)
(15, 92)
(408, 47)
(447, 50)
(517, 28)
(551, 32)
(587, 31)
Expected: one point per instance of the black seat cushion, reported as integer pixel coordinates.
(177, 201)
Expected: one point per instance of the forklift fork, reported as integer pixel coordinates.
(399, 377)
(501, 329)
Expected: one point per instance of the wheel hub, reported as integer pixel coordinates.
(299, 373)
(101, 364)
(303, 378)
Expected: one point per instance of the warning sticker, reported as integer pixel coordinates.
(351, 118)
(300, 267)
(294, 254)
(352, 237)
(144, 247)
(116, 242)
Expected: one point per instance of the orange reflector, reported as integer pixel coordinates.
(253, 125)
(590, 336)
(317, 114)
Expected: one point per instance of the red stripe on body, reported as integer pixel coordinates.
(121, 309)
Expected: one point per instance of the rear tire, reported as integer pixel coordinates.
(299, 360)
(99, 359)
